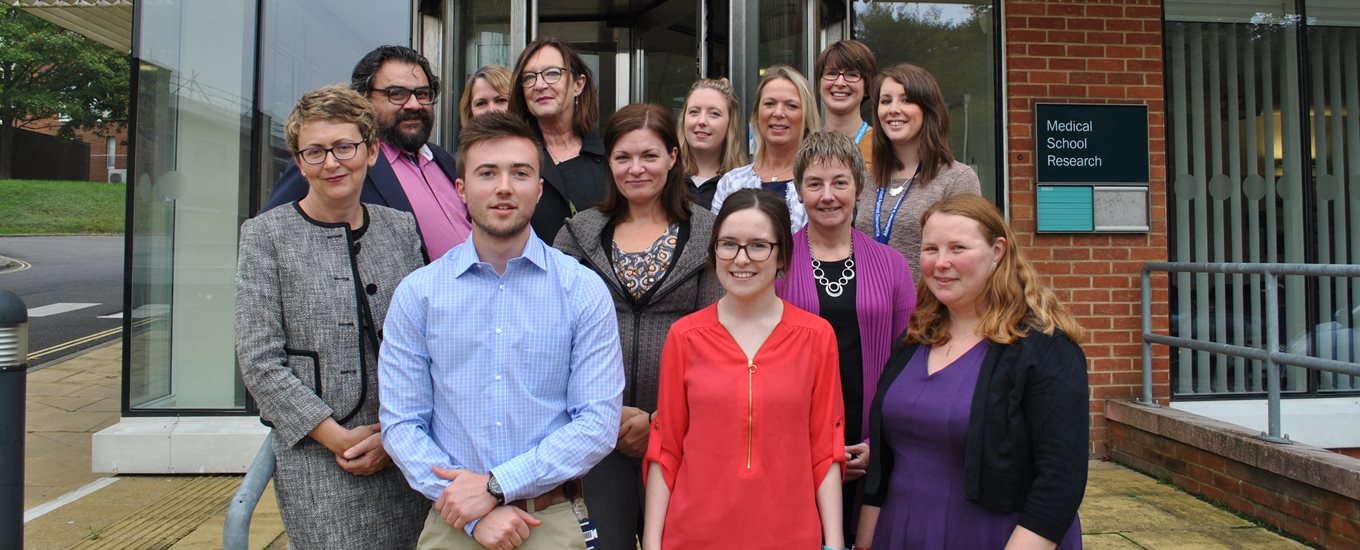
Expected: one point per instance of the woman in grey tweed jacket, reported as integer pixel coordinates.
(650, 245)
(313, 284)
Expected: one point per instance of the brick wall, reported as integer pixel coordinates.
(1308, 492)
(1092, 51)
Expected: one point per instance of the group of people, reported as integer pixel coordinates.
(558, 338)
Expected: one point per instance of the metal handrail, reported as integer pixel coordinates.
(1271, 355)
(236, 530)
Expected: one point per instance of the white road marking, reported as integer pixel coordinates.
(118, 315)
(42, 509)
(58, 308)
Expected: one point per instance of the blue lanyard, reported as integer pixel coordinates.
(863, 129)
(881, 232)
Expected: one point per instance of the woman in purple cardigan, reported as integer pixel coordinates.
(863, 288)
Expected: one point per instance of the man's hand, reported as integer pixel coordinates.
(465, 499)
(504, 527)
(856, 461)
(633, 436)
(368, 457)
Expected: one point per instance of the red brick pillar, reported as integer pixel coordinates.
(1092, 51)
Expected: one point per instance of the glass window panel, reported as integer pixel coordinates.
(956, 42)
(192, 128)
(666, 36)
(481, 35)
(308, 44)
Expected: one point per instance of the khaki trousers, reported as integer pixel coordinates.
(560, 531)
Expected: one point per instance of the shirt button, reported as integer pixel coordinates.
(502, 287)
(498, 330)
(498, 424)
(498, 377)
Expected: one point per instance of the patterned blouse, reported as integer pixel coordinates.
(640, 271)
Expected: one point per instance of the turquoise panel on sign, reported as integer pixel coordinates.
(1065, 208)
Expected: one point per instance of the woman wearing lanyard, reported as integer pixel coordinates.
(784, 114)
(846, 68)
(913, 165)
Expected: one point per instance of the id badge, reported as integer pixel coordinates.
(588, 531)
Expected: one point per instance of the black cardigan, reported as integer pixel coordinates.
(1028, 434)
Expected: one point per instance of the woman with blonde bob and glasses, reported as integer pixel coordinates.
(486, 91)
(979, 430)
(785, 113)
(861, 287)
(710, 136)
(747, 444)
(313, 284)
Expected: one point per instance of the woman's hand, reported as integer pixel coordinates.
(368, 457)
(633, 435)
(856, 461)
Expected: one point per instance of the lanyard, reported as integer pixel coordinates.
(863, 129)
(881, 232)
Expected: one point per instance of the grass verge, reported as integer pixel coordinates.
(61, 207)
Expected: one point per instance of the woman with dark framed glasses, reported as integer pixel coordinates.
(555, 92)
(747, 444)
(845, 70)
(312, 287)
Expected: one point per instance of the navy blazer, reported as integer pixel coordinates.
(381, 187)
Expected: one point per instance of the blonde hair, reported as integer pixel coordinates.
(1014, 300)
(812, 119)
(733, 154)
(334, 103)
(495, 75)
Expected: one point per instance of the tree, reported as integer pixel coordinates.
(49, 74)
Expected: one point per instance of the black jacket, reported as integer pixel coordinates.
(380, 187)
(565, 192)
(1028, 433)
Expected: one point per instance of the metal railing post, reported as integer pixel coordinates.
(1146, 280)
(13, 389)
(236, 530)
(1272, 368)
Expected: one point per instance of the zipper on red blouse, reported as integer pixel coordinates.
(750, 408)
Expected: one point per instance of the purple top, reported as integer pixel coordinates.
(925, 417)
(884, 297)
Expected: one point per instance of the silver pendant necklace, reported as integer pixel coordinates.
(834, 288)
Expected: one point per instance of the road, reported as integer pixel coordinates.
(73, 288)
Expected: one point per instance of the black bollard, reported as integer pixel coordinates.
(13, 387)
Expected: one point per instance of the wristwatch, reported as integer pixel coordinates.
(494, 487)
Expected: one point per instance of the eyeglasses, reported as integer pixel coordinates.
(317, 155)
(399, 95)
(850, 76)
(550, 75)
(757, 251)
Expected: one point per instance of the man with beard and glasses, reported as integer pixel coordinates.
(501, 374)
(410, 174)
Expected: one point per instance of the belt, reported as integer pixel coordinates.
(557, 495)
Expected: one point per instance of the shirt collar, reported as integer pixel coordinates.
(464, 256)
(393, 153)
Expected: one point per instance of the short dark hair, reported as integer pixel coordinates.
(586, 115)
(848, 54)
(828, 145)
(493, 126)
(361, 80)
(653, 118)
(767, 203)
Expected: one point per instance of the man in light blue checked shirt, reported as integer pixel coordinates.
(501, 374)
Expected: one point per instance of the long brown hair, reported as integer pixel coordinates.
(654, 119)
(1014, 300)
(923, 90)
(586, 114)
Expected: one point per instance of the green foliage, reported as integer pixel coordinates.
(61, 207)
(47, 71)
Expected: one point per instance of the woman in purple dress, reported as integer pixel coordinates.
(979, 430)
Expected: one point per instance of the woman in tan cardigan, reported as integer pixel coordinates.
(913, 166)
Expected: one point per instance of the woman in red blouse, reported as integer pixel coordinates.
(747, 444)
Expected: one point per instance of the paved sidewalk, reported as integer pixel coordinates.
(70, 400)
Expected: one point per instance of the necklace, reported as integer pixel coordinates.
(949, 349)
(897, 189)
(834, 289)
